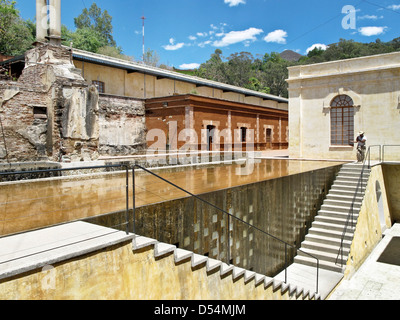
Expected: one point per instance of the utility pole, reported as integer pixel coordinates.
(143, 18)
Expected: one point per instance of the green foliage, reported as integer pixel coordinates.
(15, 33)
(269, 74)
(98, 22)
(93, 31)
(151, 58)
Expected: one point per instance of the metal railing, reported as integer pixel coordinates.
(350, 217)
(383, 150)
(129, 225)
(368, 156)
(359, 189)
(230, 218)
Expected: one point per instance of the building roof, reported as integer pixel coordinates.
(162, 73)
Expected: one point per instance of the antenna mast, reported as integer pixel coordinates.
(143, 18)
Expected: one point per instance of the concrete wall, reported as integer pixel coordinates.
(120, 273)
(284, 207)
(374, 85)
(392, 183)
(373, 220)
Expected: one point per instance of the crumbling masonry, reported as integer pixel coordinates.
(52, 114)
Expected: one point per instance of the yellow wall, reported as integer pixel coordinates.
(392, 180)
(368, 230)
(119, 273)
(138, 85)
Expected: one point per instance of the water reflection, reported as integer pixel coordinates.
(33, 204)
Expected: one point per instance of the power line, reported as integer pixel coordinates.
(317, 27)
(382, 7)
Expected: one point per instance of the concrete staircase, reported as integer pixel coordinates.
(324, 238)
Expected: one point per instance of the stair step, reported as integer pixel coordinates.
(329, 226)
(322, 264)
(348, 187)
(350, 183)
(323, 255)
(344, 192)
(355, 170)
(342, 203)
(344, 209)
(338, 214)
(328, 240)
(334, 220)
(332, 233)
(307, 244)
(344, 197)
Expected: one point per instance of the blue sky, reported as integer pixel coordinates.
(185, 33)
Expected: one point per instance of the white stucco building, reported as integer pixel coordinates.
(329, 103)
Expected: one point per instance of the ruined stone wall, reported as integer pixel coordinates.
(122, 127)
(23, 130)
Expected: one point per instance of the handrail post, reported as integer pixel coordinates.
(133, 200)
(127, 199)
(228, 240)
(285, 262)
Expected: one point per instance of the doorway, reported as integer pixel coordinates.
(268, 138)
(210, 137)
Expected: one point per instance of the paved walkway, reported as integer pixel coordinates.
(376, 280)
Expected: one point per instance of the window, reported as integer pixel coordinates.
(342, 121)
(268, 136)
(210, 136)
(40, 113)
(243, 133)
(99, 85)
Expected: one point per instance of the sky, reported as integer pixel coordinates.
(185, 33)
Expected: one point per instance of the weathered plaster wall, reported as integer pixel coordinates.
(122, 127)
(139, 85)
(52, 113)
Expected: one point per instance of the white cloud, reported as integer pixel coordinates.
(238, 36)
(394, 7)
(317, 45)
(192, 38)
(186, 66)
(172, 45)
(372, 31)
(369, 17)
(204, 43)
(278, 36)
(234, 3)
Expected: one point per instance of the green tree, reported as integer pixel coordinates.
(275, 73)
(214, 68)
(97, 21)
(151, 58)
(15, 34)
(114, 52)
(239, 69)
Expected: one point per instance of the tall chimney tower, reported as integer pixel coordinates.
(55, 22)
(48, 21)
(41, 20)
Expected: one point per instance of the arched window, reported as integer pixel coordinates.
(342, 121)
